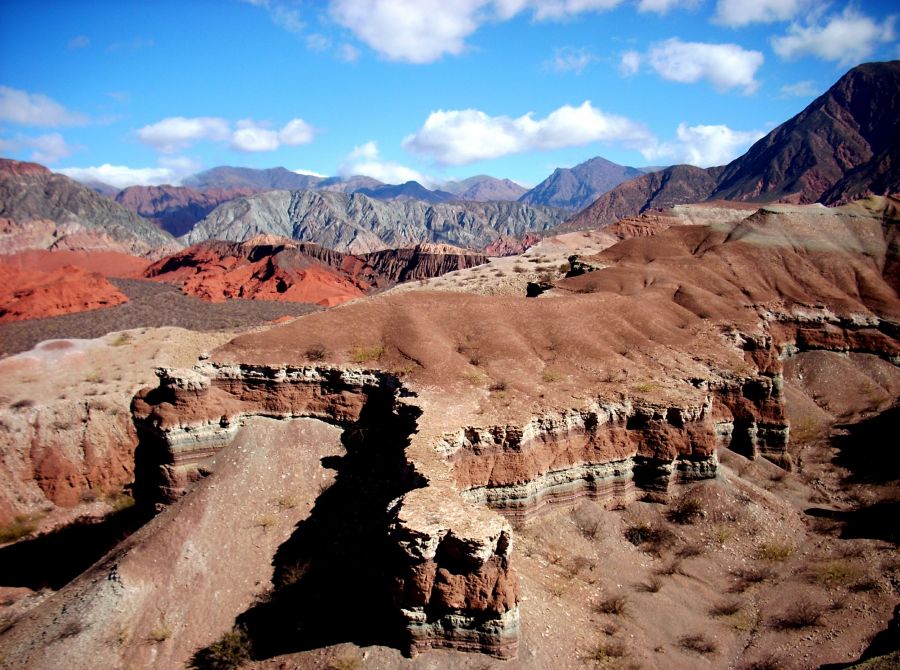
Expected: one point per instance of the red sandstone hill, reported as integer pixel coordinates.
(32, 294)
(272, 268)
(106, 263)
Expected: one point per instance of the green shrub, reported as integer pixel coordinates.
(230, 652)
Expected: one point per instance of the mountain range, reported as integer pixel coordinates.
(357, 223)
(577, 187)
(844, 145)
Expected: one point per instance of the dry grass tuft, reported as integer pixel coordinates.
(697, 643)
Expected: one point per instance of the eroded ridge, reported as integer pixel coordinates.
(453, 585)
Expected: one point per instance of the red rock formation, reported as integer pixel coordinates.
(32, 294)
(267, 268)
(511, 246)
(106, 263)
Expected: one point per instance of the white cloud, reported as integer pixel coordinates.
(46, 149)
(724, 65)
(79, 42)
(848, 38)
(801, 89)
(665, 6)
(422, 31)
(702, 145)
(318, 42)
(570, 59)
(181, 165)
(35, 109)
(348, 53)
(296, 132)
(177, 132)
(737, 13)
(457, 137)
(366, 160)
(252, 137)
(281, 14)
(310, 173)
(121, 176)
(630, 63)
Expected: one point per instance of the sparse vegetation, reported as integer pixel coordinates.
(121, 340)
(686, 510)
(499, 385)
(726, 607)
(366, 353)
(160, 634)
(617, 605)
(264, 522)
(750, 576)
(230, 652)
(721, 533)
(652, 539)
(25, 403)
(835, 572)
(345, 662)
(775, 551)
(697, 643)
(645, 387)
(549, 376)
(119, 502)
(609, 652)
(804, 613)
(652, 585)
(768, 662)
(316, 352)
(19, 527)
(689, 550)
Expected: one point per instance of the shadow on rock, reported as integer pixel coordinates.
(333, 576)
(54, 559)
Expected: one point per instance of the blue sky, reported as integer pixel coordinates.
(141, 92)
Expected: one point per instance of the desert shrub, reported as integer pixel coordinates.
(499, 385)
(726, 607)
(316, 352)
(346, 662)
(617, 605)
(652, 585)
(686, 510)
(698, 643)
(608, 652)
(548, 376)
(645, 387)
(670, 568)
(722, 532)
(231, 651)
(768, 662)
(801, 614)
(588, 520)
(835, 572)
(564, 267)
(689, 551)
(775, 551)
(121, 340)
(160, 634)
(519, 269)
(19, 527)
(750, 576)
(866, 585)
(119, 502)
(366, 353)
(475, 360)
(650, 538)
(25, 403)
(588, 287)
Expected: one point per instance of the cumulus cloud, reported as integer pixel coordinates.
(801, 89)
(422, 31)
(847, 38)
(250, 137)
(45, 149)
(365, 159)
(296, 132)
(282, 14)
(723, 65)
(665, 6)
(737, 13)
(122, 176)
(35, 109)
(457, 137)
(702, 145)
(570, 59)
(630, 63)
(178, 132)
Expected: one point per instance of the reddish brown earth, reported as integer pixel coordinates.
(32, 294)
(462, 412)
(511, 246)
(106, 263)
(271, 268)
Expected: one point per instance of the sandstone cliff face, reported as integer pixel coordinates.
(359, 224)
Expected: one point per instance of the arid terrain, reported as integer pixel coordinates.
(628, 418)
